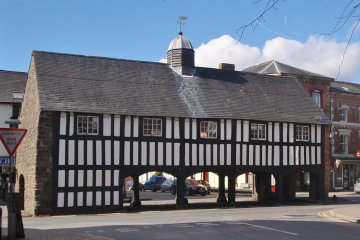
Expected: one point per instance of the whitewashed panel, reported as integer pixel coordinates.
(208, 154)
(89, 145)
(318, 132)
(313, 133)
(71, 179)
(61, 178)
(313, 157)
(89, 196)
(127, 126)
(98, 198)
(291, 132)
(62, 152)
(80, 199)
(60, 199)
(244, 155)
(98, 153)
(71, 152)
(297, 155)
(246, 131)
(302, 155)
(152, 154)
(80, 152)
(136, 127)
(107, 178)
(291, 155)
(285, 131)
(201, 155)
(257, 155)
(228, 129)
(135, 153)
(194, 129)
(107, 152)
(63, 123)
(270, 130)
(215, 154)
(116, 198)
(107, 198)
(143, 153)
(176, 128)
(277, 132)
(89, 178)
(80, 180)
(263, 155)
(222, 129)
(117, 125)
(221, 154)
(251, 155)
(187, 128)
(276, 156)
(270, 158)
(116, 178)
(168, 154)
(307, 155)
(194, 155)
(127, 153)
(187, 155)
(168, 128)
(71, 124)
(238, 159)
(318, 158)
(116, 152)
(160, 154)
(98, 182)
(285, 155)
(107, 125)
(177, 154)
(228, 154)
(238, 130)
(70, 199)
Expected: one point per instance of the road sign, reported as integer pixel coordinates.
(5, 161)
(11, 138)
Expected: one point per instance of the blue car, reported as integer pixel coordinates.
(154, 183)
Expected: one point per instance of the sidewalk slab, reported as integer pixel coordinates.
(350, 214)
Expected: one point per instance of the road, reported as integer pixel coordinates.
(301, 221)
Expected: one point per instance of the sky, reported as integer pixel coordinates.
(295, 33)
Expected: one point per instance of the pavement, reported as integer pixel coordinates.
(350, 213)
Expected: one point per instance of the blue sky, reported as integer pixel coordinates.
(143, 29)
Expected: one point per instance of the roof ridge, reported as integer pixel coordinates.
(9, 71)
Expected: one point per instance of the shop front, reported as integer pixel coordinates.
(345, 172)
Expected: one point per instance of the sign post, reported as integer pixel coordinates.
(11, 139)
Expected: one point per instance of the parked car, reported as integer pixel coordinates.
(357, 186)
(192, 187)
(203, 182)
(154, 183)
(165, 186)
(141, 187)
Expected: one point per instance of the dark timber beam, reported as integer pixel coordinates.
(221, 200)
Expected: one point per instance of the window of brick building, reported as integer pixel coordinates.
(316, 97)
(343, 113)
(344, 144)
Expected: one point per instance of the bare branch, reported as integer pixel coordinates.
(271, 4)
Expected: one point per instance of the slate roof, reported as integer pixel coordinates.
(345, 87)
(11, 82)
(275, 67)
(103, 85)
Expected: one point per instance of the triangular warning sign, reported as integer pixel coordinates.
(11, 138)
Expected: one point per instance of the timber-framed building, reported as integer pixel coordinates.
(93, 121)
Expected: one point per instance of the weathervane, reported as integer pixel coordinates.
(181, 21)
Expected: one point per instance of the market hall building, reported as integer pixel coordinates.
(93, 121)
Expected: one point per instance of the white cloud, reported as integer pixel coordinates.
(317, 54)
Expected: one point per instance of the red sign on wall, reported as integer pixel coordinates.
(11, 138)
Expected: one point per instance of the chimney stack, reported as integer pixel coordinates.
(227, 66)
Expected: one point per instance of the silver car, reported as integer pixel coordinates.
(357, 186)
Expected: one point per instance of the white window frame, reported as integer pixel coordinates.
(302, 133)
(342, 114)
(318, 96)
(94, 120)
(258, 131)
(154, 125)
(344, 145)
(208, 129)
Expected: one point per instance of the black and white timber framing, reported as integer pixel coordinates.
(90, 169)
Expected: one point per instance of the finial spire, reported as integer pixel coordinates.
(181, 21)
